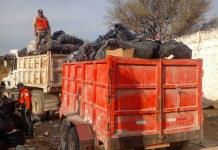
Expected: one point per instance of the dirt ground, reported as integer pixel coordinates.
(47, 134)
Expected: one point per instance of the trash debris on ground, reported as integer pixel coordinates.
(46, 133)
(11, 126)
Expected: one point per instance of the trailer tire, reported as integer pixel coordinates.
(38, 102)
(63, 134)
(72, 139)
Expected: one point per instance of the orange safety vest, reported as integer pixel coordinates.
(41, 24)
(25, 98)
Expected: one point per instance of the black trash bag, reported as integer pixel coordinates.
(68, 39)
(123, 33)
(6, 123)
(23, 52)
(17, 122)
(76, 41)
(69, 48)
(109, 44)
(110, 34)
(56, 34)
(65, 39)
(85, 51)
(144, 49)
(98, 43)
(3, 144)
(7, 106)
(101, 53)
(78, 57)
(92, 55)
(178, 49)
(82, 54)
(113, 44)
(54, 45)
(14, 138)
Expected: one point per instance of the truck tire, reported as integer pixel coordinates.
(64, 129)
(72, 139)
(38, 102)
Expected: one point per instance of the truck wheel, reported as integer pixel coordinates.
(37, 102)
(63, 134)
(72, 139)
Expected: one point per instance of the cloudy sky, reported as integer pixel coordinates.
(83, 18)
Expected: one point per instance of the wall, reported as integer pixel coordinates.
(205, 45)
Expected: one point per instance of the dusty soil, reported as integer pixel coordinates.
(47, 134)
(210, 131)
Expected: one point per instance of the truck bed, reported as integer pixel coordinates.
(149, 101)
(41, 71)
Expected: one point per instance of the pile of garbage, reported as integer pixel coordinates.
(118, 37)
(11, 125)
(121, 37)
(60, 43)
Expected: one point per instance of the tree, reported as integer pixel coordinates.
(169, 18)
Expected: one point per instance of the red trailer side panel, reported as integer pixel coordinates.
(125, 97)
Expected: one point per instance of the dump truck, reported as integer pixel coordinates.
(127, 103)
(42, 75)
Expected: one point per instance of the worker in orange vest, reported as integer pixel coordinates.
(26, 109)
(42, 28)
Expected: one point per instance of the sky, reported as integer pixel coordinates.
(82, 18)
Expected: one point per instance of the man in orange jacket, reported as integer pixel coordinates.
(42, 28)
(25, 101)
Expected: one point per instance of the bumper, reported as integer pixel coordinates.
(148, 140)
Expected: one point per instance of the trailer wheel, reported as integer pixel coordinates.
(72, 139)
(63, 134)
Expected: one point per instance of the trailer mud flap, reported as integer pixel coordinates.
(84, 131)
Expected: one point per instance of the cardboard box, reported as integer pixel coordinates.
(121, 52)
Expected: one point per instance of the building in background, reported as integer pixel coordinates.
(205, 45)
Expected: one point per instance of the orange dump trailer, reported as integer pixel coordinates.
(125, 103)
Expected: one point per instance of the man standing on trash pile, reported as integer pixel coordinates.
(26, 109)
(41, 28)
